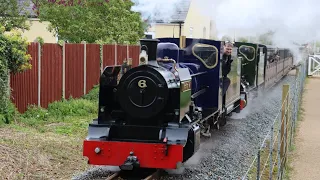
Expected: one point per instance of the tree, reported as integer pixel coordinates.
(13, 46)
(13, 14)
(13, 50)
(243, 39)
(92, 21)
(226, 38)
(266, 38)
(13, 58)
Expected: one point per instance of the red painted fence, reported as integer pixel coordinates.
(64, 71)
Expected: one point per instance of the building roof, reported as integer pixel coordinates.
(182, 11)
(180, 14)
(29, 9)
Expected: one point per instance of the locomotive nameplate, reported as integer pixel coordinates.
(185, 86)
(185, 97)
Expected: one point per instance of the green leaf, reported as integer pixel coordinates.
(13, 15)
(93, 21)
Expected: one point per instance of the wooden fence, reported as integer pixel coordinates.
(64, 71)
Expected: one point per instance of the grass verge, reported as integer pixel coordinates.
(47, 143)
(291, 154)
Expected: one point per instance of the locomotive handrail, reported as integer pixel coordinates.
(198, 93)
(197, 74)
(166, 59)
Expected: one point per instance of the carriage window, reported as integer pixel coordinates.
(207, 54)
(248, 52)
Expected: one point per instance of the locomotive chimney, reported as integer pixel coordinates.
(148, 50)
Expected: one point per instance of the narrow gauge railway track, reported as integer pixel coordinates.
(141, 175)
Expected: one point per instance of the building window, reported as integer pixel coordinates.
(204, 32)
(191, 31)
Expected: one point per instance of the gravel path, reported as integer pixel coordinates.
(306, 162)
(229, 152)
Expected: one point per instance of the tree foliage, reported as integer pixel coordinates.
(92, 21)
(243, 39)
(13, 15)
(13, 50)
(266, 38)
(13, 58)
(226, 38)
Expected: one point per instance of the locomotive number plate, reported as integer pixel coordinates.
(142, 83)
(185, 86)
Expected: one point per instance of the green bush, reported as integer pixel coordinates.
(93, 95)
(13, 58)
(2, 119)
(67, 117)
(13, 112)
(36, 113)
(73, 107)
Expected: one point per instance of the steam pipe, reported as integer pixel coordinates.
(150, 47)
(180, 26)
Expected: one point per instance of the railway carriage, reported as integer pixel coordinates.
(153, 115)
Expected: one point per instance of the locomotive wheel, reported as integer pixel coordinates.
(205, 129)
(223, 121)
(220, 122)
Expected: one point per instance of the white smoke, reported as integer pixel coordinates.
(293, 21)
(156, 9)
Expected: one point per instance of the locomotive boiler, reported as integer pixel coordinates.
(144, 118)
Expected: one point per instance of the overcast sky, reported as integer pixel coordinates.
(293, 20)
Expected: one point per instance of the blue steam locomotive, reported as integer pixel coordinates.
(153, 115)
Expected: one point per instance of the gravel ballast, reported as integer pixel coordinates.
(230, 150)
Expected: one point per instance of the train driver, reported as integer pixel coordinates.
(226, 65)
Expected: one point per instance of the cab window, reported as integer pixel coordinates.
(207, 54)
(248, 52)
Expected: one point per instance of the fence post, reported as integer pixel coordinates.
(258, 165)
(101, 58)
(283, 139)
(276, 74)
(295, 104)
(64, 70)
(278, 149)
(39, 74)
(84, 66)
(309, 65)
(127, 51)
(287, 126)
(271, 156)
(115, 54)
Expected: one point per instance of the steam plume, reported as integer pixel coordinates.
(157, 9)
(292, 21)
